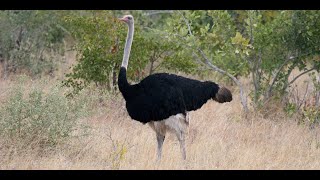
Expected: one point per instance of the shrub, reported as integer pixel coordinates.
(31, 41)
(45, 118)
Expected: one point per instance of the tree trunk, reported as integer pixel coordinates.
(114, 77)
(256, 76)
(151, 67)
(19, 38)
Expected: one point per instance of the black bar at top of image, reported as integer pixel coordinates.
(159, 4)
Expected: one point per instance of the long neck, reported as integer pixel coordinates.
(127, 47)
(124, 87)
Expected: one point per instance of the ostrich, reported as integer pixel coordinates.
(163, 100)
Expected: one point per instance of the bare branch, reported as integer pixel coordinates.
(259, 64)
(243, 98)
(196, 57)
(268, 92)
(187, 22)
(304, 97)
(292, 81)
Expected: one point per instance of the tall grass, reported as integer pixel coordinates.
(42, 129)
(41, 115)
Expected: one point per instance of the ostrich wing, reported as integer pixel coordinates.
(154, 100)
(195, 93)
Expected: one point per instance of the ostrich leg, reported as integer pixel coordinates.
(160, 140)
(181, 138)
(179, 125)
(160, 129)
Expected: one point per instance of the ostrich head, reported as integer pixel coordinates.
(223, 95)
(127, 19)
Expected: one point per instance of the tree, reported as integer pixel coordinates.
(267, 45)
(287, 42)
(209, 45)
(99, 44)
(29, 41)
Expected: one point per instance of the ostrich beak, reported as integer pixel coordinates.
(122, 19)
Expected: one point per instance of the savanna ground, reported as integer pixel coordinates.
(219, 137)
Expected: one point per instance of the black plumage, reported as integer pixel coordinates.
(159, 96)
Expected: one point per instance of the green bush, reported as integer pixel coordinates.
(311, 116)
(34, 116)
(30, 41)
(290, 109)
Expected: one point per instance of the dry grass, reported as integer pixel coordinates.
(220, 137)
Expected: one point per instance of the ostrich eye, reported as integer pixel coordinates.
(129, 18)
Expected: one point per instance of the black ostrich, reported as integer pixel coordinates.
(163, 100)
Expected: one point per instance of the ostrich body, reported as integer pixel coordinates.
(163, 100)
